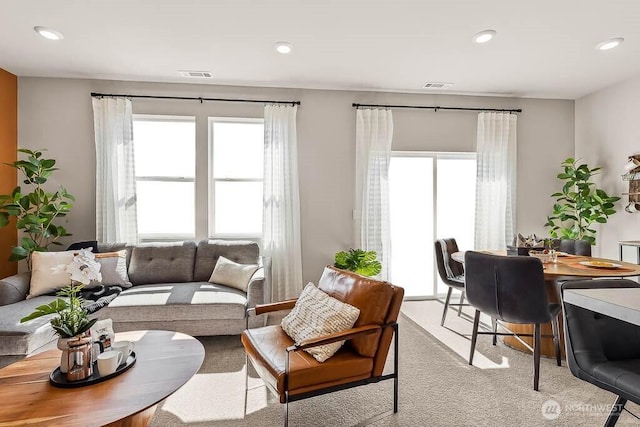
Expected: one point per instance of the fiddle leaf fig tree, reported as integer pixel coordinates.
(580, 204)
(37, 211)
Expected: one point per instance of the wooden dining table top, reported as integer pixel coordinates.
(570, 266)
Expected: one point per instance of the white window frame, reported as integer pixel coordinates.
(435, 155)
(167, 237)
(212, 181)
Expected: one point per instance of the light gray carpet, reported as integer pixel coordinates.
(437, 388)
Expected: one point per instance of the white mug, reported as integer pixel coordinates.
(108, 362)
(632, 207)
(631, 165)
(123, 347)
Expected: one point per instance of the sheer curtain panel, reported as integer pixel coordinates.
(281, 215)
(116, 215)
(374, 133)
(496, 180)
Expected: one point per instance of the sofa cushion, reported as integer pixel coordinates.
(115, 247)
(45, 278)
(113, 267)
(233, 274)
(176, 301)
(23, 338)
(240, 251)
(162, 263)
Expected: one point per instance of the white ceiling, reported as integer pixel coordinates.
(544, 48)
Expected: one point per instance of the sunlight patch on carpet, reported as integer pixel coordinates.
(217, 396)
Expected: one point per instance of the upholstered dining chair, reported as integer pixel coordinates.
(292, 374)
(573, 247)
(602, 350)
(451, 272)
(510, 289)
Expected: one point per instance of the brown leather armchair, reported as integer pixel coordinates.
(293, 374)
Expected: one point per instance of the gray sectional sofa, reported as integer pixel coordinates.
(170, 291)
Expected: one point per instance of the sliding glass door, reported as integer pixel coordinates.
(432, 195)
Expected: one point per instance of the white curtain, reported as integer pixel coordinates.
(374, 133)
(116, 213)
(281, 215)
(496, 180)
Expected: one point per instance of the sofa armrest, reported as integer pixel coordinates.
(14, 288)
(259, 288)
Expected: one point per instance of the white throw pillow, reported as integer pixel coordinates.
(232, 274)
(43, 279)
(113, 268)
(316, 314)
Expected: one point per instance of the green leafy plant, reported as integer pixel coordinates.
(37, 211)
(358, 261)
(72, 318)
(580, 204)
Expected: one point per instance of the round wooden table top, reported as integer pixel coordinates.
(165, 361)
(570, 266)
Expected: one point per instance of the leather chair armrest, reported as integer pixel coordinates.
(338, 336)
(274, 306)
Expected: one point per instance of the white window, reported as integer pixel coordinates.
(432, 196)
(235, 200)
(165, 176)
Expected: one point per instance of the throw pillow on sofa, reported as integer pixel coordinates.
(316, 314)
(44, 279)
(232, 274)
(113, 267)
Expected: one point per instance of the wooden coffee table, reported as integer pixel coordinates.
(165, 361)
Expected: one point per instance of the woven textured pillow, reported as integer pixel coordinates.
(316, 314)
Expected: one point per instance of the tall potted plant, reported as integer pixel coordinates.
(36, 212)
(580, 204)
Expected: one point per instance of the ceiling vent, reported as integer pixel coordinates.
(437, 85)
(196, 74)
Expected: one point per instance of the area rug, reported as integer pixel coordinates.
(437, 388)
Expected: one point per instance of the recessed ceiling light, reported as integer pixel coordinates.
(484, 36)
(48, 33)
(609, 44)
(283, 47)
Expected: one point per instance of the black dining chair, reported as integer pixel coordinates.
(573, 247)
(602, 350)
(510, 289)
(451, 272)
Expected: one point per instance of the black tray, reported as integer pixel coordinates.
(58, 379)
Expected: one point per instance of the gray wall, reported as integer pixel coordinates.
(607, 132)
(56, 114)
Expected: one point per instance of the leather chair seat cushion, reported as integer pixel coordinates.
(623, 375)
(267, 349)
(372, 297)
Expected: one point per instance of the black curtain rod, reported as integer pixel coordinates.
(194, 98)
(437, 107)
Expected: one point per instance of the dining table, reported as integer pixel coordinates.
(567, 267)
